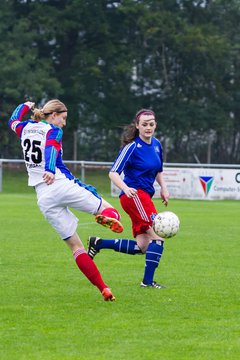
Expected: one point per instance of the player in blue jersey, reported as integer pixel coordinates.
(56, 188)
(141, 161)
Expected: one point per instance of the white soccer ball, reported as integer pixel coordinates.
(166, 224)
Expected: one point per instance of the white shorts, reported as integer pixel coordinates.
(54, 201)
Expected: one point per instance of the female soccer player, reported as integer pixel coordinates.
(141, 159)
(56, 187)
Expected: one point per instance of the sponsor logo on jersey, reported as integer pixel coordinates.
(33, 131)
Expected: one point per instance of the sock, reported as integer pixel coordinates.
(120, 245)
(153, 256)
(89, 269)
(111, 212)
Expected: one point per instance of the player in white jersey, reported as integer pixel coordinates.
(56, 188)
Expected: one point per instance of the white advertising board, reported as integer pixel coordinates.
(199, 183)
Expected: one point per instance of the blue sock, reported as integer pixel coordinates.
(153, 256)
(120, 245)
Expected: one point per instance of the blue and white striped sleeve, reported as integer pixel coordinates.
(52, 148)
(15, 122)
(122, 158)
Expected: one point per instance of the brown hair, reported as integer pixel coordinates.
(130, 132)
(51, 106)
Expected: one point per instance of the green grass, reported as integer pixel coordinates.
(50, 311)
(15, 180)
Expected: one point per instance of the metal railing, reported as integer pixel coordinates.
(91, 164)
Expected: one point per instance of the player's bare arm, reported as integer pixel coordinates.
(116, 179)
(164, 191)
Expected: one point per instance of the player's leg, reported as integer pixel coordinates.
(154, 247)
(87, 266)
(85, 198)
(65, 224)
(140, 223)
(126, 246)
(153, 257)
(109, 217)
(141, 209)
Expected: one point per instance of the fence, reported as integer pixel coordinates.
(78, 167)
(184, 181)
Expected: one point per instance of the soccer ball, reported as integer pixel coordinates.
(166, 224)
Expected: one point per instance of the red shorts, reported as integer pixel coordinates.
(141, 211)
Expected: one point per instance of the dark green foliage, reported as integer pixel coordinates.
(107, 59)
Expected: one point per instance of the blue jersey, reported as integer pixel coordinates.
(140, 163)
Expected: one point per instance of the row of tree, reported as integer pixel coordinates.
(106, 59)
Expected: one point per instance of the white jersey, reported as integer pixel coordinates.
(42, 147)
(33, 141)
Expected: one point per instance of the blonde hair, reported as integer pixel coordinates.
(51, 106)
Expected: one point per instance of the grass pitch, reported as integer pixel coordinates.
(50, 311)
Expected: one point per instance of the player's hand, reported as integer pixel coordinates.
(30, 104)
(48, 177)
(130, 192)
(165, 197)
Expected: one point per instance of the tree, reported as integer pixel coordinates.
(24, 74)
(106, 59)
